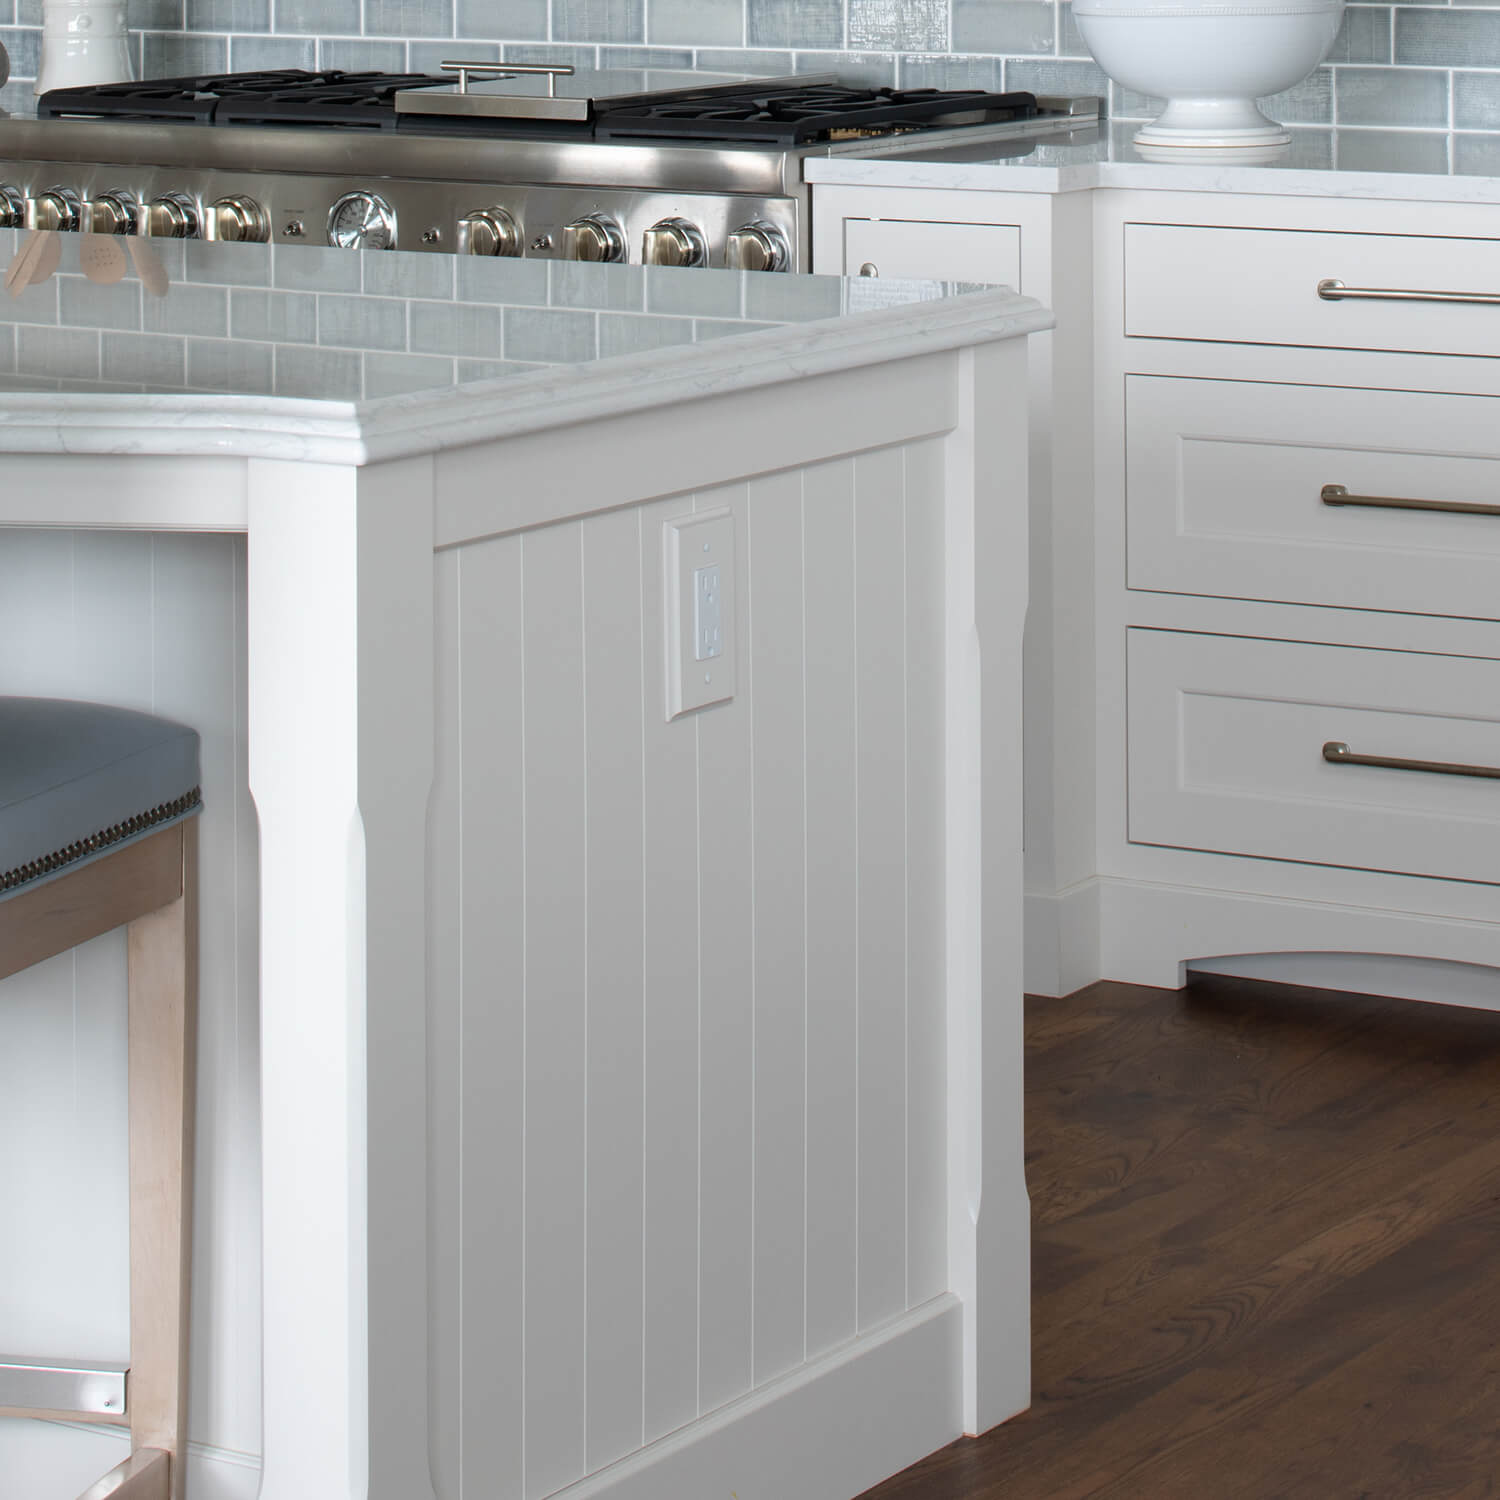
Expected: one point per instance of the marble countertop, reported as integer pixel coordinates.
(348, 357)
(1417, 166)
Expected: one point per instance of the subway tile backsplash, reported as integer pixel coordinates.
(1418, 67)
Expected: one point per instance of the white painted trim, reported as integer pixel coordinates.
(1438, 981)
(1062, 939)
(29, 1446)
(828, 1430)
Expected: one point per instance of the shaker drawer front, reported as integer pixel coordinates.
(1261, 286)
(1227, 753)
(1362, 499)
(916, 249)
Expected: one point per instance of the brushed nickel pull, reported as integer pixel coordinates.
(1336, 494)
(1333, 290)
(1337, 753)
(493, 70)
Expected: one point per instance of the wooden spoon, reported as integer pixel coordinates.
(149, 267)
(102, 259)
(23, 263)
(49, 258)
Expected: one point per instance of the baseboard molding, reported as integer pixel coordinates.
(1062, 939)
(1153, 933)
(59, 1460)
(826, 1431)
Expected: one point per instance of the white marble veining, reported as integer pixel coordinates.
(306, 354)
(1320, 162)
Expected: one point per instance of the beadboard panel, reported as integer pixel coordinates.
(150, 621)
(688, 1135)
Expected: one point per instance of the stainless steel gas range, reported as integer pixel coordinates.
(685, 169)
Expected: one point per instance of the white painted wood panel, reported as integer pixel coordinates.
(1226, 738)
(922, 249)
(1224, 481)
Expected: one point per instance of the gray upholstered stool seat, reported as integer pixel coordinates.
(80, 779)
(96, 832)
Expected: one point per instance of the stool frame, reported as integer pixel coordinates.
(150, 887)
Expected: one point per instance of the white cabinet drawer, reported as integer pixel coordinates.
(1226, 753)
(1260, 286)
(1225, 488)
(922, 250)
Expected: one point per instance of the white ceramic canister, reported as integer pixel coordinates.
(83, 41)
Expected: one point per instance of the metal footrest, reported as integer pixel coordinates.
(95, 1387)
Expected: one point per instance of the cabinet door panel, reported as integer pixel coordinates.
(1226, 753)
(945, 252)
(1224, 494)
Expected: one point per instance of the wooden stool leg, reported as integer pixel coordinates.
(163, 1011)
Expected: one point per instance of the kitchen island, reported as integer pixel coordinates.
(637, 1057)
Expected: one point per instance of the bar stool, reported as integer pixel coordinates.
(97, 831)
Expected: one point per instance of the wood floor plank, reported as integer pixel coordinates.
(1266, 1237)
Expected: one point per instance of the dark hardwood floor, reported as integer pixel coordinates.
(1266, 1253)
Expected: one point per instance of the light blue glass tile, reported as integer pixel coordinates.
(702, 23)
(1070, 42)
(482, 280)
(763, 64)
(902, 25)
(17, 95)
(1477, 155)
(1392, 151)
(7, 348)
(599, 20)
(428, 57)
(222, 265)
(715, 328)
(87, 304)
(794, 23)
(1307, 103)
(1364, 36)
(408, 18)
(174, 56)
(230, 365)
(316, 17)
(318, 374)
(7, 13)
(549, 335)
(254, 54)
(1055, 76)
(619, 288)
(187, 308)
(304, 269)
(24, 48)
(950, 73)
(140, 15)
(145, 358)
(398, 374)
(228, 15)
(274, 317)
(1448, 38)
(692, 294)
(356, 55)
(1126, 104)
(1311, 148)
(645, 57)
(772, 297)
(1476, 101)
(875, 68)
(456, 328)
(482, 18)
(620, 333)
(362, 322)
(67, 353)
(491, 369)
(1008, 26)
(1392, 96)
(37, 304)
(414, 275)
(533, 52)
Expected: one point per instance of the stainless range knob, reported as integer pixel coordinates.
(596, 237)
(57, 208)
(757, 247)
(12, 208)
(173, 216)
(236, 219)
(488, 231)
(111, 213)
(674, 242)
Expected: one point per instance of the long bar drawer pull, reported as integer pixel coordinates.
(1333, 290)
(1336, 494)
(1339, 754)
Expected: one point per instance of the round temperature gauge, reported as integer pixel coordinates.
(362, 221)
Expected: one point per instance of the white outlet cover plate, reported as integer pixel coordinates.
(704, 539)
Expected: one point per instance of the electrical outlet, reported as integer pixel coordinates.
(698, 584)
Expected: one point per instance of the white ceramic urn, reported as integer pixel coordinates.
(83, 41)
(1210, 60)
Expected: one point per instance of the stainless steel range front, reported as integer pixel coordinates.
(665, 169)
